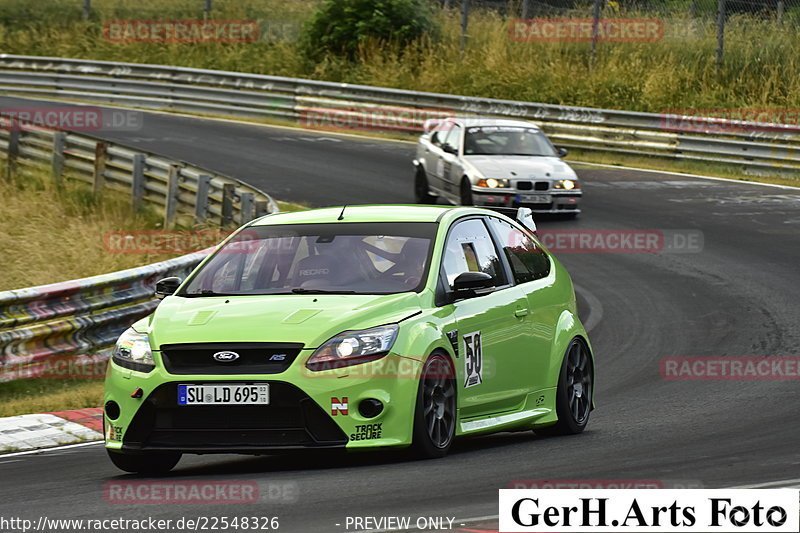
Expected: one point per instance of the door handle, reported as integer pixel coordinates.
(519, 313)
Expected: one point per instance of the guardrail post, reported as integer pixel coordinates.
(262, 208)
(171, 202)
(201, 200)
(228, 190)
(59, 140)
(247, 207)
(13, 150)
(137, 181)
(99, 167)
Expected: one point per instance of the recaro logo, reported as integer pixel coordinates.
(225, 357)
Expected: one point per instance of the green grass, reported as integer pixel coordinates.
(28, 396)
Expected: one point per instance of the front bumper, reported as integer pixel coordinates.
(300, 414)
(557, 202)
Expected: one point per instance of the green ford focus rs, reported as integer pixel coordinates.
(357, 327)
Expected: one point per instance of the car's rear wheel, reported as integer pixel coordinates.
(435, 415)
(422, 194)
(146, 463)
(575, 392)
(466, 192)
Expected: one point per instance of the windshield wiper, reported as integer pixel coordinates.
(319, 291)
(206, 292)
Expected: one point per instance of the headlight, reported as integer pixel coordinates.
(353, 348)
(567, 184)
(133, 351)
(493, 183)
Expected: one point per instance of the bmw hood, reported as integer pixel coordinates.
(307, 319)
(521, 167)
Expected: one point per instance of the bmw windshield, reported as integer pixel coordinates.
(340, 258)
(507, 140)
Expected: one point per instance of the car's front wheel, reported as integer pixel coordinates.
(147, 463)
(575, 392)
(435, 414)
(422, 194)
(466, 192)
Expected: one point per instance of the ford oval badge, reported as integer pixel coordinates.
(225, 357)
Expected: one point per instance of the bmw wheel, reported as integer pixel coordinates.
(435, 416)
(575, 392)
(422, 193)
(466, 192)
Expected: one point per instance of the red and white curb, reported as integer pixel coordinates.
(47, 430)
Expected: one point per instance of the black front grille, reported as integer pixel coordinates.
(254, 358)
(524, 185)
(291, 420)
(541, 185)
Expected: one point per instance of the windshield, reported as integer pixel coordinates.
(507, 140)
(363, 258)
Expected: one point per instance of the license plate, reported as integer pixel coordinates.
(250, 394)
(535, 198)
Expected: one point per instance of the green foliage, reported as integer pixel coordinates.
(345, 26)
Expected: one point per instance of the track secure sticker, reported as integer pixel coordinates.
(114, 433)
(473, 359)
(367, 432)
(339, 407)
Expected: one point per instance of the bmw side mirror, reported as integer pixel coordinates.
(562, 152)
(167, 286)
(468, 284)
(449, 149)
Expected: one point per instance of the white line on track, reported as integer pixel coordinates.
(671, 173)
(53, 449)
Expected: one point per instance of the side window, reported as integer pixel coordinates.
(528, 261)
(469, 248)
(454, 137)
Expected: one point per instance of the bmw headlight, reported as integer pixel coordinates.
(493, 183)
(133, 351)
(353, 348)
(567, 184)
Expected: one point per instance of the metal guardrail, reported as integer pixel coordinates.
(753, 147)
(77, 319)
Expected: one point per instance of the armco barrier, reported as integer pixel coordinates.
(182, 191)
(80, 318)
(750, 146)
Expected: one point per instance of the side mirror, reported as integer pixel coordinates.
(167, 286)
(449, 149)
(469, 284)
(562, 152)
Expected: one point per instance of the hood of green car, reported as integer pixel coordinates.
(307, 319)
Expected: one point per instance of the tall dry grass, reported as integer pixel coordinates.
(48, 236)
